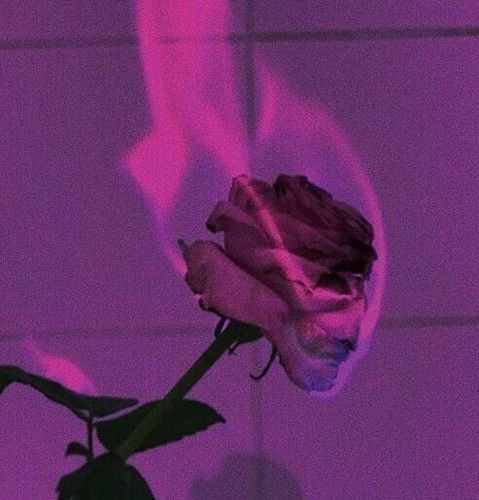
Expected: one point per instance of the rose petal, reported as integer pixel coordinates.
(294, 264)
(314, 347)
(291, 277)
(302, 199)
(344, 323)
(230, 291)
(225, 215)
(315, 206)
(307, 220)
(251, 194)
(299, 236)
(247, 246)
(296, 236)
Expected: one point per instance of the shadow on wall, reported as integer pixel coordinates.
(248, 476)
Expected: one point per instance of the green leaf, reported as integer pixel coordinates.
(186, 417)
(245, 332)
(75, 448)
(106, 477)
(103, 406)
(80, 404)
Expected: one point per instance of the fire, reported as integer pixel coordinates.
(191, 86)
(60, 369)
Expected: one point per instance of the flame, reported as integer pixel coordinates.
(283, 111)
(188, 105)
(60, 369)
(194, 102)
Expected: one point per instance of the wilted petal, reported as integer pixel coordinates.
(294, 264)
(316, 346)
(247, 245)
(305, 253)
(306, 240)
(268, 263)
(320, 299)
(290, 276)
(315, 206)
(226, 214)
(315, 330)
(296, 235)
(229, 290)
(268, 266)
(306, 370)
(251, 194)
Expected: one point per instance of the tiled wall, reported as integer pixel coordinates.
(80, 263)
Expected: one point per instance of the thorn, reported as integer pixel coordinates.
(231, 350)
(272, 356)
(219, 327)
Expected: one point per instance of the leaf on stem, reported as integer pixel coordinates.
(185, 418)
(106, 476)
(80, 404)
(76, 448)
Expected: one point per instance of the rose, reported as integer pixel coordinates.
(294, 264)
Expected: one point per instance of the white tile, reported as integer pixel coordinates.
(328, 14)
(53, 19)
(80, 247)
(47, 19)
(403, 427)
(409, 113)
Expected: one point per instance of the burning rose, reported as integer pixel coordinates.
(294, 264)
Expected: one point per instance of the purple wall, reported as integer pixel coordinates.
(80, 264)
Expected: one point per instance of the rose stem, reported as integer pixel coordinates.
(209, 357)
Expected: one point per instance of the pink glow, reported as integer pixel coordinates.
(191, 90)
(60, 369)
(194, 102)
(282, 110)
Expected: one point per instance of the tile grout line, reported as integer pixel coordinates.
(366, 34)
(330, 35)
(388, 323)
(427, 321)
(256, 388)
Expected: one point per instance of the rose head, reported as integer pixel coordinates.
(294, 264)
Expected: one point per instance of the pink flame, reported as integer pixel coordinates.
(187, 105)
(193, 101)
(60, 369)
(283, 110)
